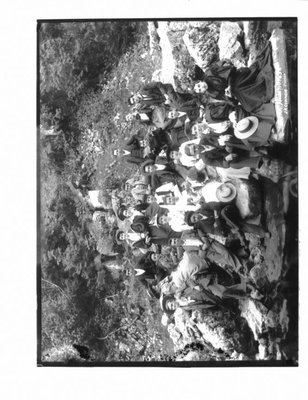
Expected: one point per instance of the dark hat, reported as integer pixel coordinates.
(163, 303)
(144, 164)
(117, 236)
(187, 217)
(120, 212)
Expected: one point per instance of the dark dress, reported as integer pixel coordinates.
(251, 86)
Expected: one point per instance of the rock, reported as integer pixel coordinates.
(178, 26)
(282, 91)
(154, 38)
(258, 275)
(202, 43)
(229, 45)
(248, 199)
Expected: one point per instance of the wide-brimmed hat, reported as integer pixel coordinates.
(117, 236)
(246, 127)
(120, 213)
(163, 303)
(226, 192)
(187, 217)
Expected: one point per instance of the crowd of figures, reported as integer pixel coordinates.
(182, 213)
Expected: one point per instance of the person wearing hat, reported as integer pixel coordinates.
(159, 235)
(207, 221)
(157, 93)
(127, 213)
(135, 150)
(134, 239)
(196, 300)
(251, 86)
(252, 132)
(148, 269)
(160, 171)
(221, 280)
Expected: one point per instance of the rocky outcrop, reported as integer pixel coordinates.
(230, 43)
(202, 43)
(269, 326)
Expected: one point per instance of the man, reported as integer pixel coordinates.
(194, 270)
(174, 219)
(196, 152)
(134, 239)
(135, 151)
(160, 171)
(157, 235)
(196, 300)
(156, 93)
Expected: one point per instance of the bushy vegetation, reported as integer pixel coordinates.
(87, 71)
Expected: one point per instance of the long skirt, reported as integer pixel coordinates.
(254, 85)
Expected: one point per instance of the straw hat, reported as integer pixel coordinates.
(246, 127)
(226, 192)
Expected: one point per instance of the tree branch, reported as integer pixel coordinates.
(58, 287)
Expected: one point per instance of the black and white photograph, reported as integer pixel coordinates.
(167, 192)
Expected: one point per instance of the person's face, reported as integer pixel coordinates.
(174, 154)
(123, 236)
(200, 87)
(149, 168)
(154, 257)
(130, 117)
(150, 198)
(134, 99)
(127, 213)
(173, 114)
(199, 129)
(195, 217)
(163, 219)
(170, 200)
(175, 242)
(171, 305)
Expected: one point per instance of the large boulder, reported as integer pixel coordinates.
(269, 326)
(202, 43)
(229, 43)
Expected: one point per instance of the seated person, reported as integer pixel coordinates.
(160, 171)
(133, 239)
(135, 151)
(127, 213)
(170, 196)
(156, 93)
(157, 235)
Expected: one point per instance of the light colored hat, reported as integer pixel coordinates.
(226, 192)
(246, 127)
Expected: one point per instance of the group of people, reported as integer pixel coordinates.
(184, 201)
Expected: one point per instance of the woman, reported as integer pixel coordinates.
(251, 86)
